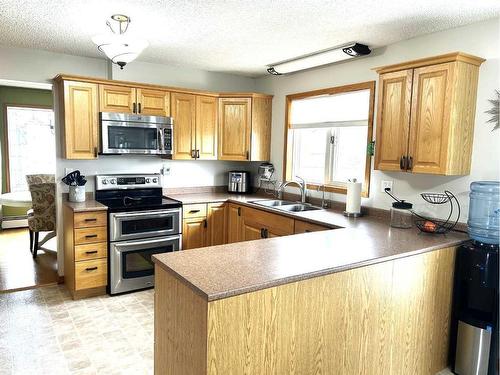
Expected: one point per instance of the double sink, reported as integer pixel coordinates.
(287, 206)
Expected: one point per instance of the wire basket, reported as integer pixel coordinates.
(434, 225)
(435, 198)
(429, 225)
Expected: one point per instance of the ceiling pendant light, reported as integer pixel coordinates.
(329, 56)
(118, 47)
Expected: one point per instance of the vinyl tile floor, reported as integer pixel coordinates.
(43, 331)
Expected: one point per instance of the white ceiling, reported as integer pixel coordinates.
(235, 36)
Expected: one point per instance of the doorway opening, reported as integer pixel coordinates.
(28, 164)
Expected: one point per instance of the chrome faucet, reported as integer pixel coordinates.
(301, 185)
(324, 203)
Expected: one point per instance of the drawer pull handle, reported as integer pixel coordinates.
(91, 252)
(91, 236)
(194, 211)
(91, 219)
(307, 231)
(90, 268)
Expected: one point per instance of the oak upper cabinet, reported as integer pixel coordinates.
(125, 99)
(79, 117)
(153, 102)
(216, 224)
(183, 107)
(425, 119)
(245, 128)
(195, 126)
(206, 128)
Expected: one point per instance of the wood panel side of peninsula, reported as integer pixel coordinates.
(388, 318)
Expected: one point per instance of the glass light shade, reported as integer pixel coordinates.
(120, 48)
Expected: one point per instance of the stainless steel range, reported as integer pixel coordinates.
(141, 222)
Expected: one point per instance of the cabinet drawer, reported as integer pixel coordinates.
(194, 210)
(91, 251)
(90, 219)
(305, 227)
(90, 235)
(91, 274)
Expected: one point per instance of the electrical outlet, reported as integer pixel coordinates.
(165, 170)
(387, 184)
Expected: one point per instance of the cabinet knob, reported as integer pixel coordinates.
(409, 163)
(248, 155)
(134, 108)
(139, 108)
(402, 163)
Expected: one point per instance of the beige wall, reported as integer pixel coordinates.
(481, 39)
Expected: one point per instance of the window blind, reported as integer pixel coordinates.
(327, 111)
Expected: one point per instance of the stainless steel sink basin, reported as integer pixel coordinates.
(297, 207)
(273, 203)
(288, 206)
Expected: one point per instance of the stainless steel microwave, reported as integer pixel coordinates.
(124, 133)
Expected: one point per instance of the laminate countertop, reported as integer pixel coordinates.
(88, 205)
(223, 271)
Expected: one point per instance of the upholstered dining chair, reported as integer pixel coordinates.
(42, 217)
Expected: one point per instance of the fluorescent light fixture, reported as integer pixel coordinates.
(330, 56)
(118, 47)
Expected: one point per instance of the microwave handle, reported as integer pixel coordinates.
(161, 139)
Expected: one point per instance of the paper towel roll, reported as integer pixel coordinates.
(353, 199)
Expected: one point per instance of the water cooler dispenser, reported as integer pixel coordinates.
(474, 331)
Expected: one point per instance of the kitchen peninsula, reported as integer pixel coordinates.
(365, 298)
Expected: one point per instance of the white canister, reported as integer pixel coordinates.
(77, 193)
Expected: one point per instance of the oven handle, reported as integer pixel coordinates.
(141, 214)
(146, 242)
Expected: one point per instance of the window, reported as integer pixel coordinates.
(30, 144)
(327, 136)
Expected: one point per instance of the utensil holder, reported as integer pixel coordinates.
(77, 193)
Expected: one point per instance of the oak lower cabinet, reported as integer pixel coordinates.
(216, 224)
(85, 252)
(306, 227)
(256, 224)
(233, 223)
(78, 115)
(126, 99)
(195, 119)
(204, 225)
(426, 110)
(245, 128)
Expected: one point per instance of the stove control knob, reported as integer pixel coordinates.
(155, 180)
(147, 180)
(112, 181)
(104, 181)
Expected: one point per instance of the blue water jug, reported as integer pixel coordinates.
(484, 211)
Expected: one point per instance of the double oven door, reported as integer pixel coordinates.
(134, 238)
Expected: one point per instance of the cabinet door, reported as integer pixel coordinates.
(234, 128)
(183, 108)
(116, 99)
(153, 102)
(251, 230)
(306, 227)
(206, 127)
(233, 223)
(81, 119)
(194, 233)
(217, 224)
(261, 129)
(430, 119)
(276, 225)
(393, 119)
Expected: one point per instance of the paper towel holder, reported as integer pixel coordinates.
(352, 214)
